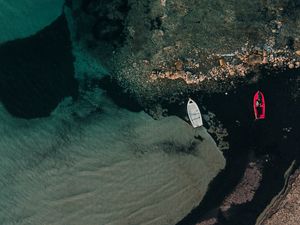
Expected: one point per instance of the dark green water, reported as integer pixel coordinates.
(37, 72)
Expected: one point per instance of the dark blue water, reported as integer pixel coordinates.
(37, 72)
(248, 138)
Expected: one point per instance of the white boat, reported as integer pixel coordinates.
(194, 113)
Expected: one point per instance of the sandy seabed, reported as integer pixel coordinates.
(113, 166)
(116, 167)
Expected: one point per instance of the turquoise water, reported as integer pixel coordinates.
(87, 160)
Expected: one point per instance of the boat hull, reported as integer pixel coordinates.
(194, 114)
(259, 106)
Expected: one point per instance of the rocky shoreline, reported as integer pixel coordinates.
(157, 54)
(286, 206)
(161, 50)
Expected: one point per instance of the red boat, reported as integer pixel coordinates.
(259, 105)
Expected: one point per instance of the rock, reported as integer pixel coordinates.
(222, 62)
(179, 65)
(291, 66)
(284, 208)
(191, 30)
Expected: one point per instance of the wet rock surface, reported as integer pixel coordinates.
(159, 50)
(286, 207)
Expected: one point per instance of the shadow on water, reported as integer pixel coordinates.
(262, 138)
(37, 72)
(117, 94)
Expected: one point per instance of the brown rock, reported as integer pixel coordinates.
(291, 65)
(179, 65)
(255, 59)
(222, 62)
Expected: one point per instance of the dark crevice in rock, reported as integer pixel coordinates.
(106, 29)
(155, 23)
(107, 19)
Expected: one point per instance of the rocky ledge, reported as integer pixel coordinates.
(161, 50)
(285, 207)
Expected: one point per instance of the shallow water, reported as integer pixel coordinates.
(87, 159)
(118, 167)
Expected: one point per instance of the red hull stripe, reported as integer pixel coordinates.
(259, 105)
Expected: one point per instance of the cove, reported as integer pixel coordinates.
(37, 72)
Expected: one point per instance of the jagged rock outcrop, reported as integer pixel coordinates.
(202, 45)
